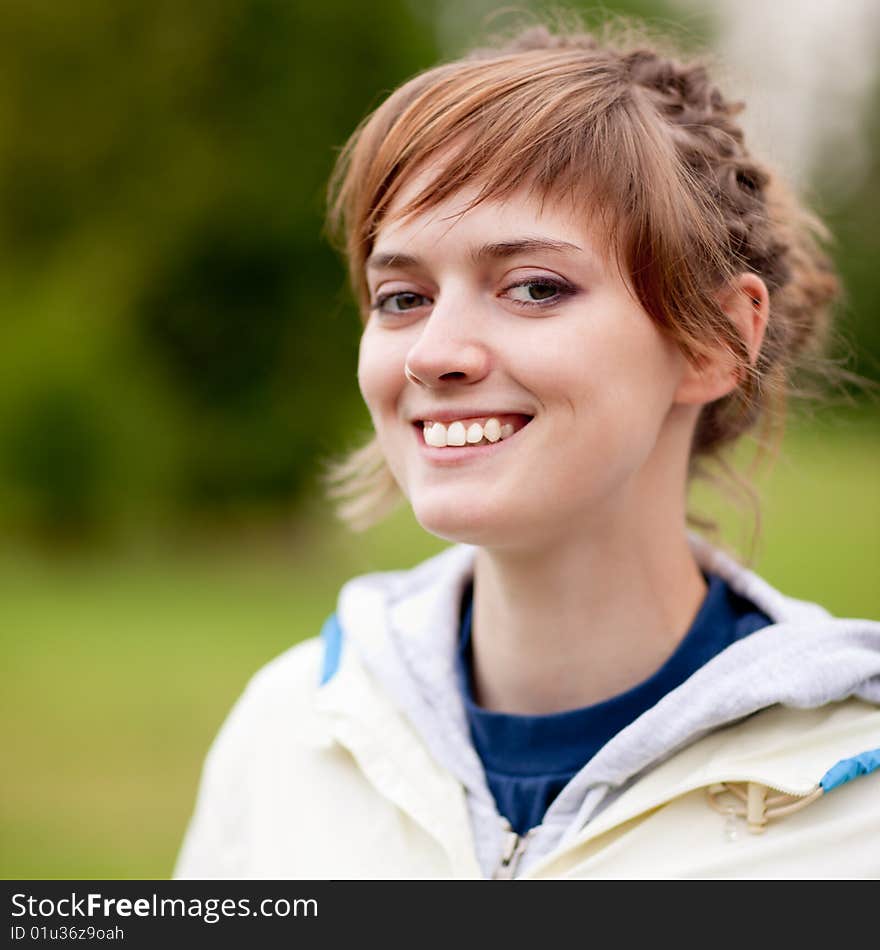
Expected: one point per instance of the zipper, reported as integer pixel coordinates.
(756, 804)
(514, 846)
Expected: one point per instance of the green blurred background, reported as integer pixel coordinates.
(178, 357)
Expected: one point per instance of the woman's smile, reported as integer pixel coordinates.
(465, 440)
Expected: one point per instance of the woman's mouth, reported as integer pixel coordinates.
(468, 437)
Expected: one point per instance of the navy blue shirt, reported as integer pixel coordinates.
(528, 760)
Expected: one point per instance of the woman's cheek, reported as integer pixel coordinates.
(373, 372)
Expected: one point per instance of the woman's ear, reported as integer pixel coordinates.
(746, 302)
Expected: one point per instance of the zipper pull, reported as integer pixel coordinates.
(514, 845)
(756, 808)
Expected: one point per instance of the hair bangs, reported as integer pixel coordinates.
(514, 123)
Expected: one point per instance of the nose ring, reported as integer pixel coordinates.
(410, 375)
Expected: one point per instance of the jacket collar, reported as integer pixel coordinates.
(403, 627)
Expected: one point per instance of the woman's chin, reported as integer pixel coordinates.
(471, 523)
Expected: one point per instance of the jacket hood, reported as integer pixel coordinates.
(403, 626)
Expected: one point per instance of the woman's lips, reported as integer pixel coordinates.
(455, 454)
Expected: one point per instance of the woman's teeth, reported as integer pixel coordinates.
(438, 435)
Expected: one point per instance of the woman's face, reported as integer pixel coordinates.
(511, 311)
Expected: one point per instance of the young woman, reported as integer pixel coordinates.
(578, 287)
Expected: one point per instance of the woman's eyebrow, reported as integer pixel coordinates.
(501, 249)
(497, 250)
(392, 259)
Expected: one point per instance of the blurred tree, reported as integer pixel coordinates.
(56, 448)
(162, 176)
(856, 250)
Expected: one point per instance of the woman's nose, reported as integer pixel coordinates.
(449, 348)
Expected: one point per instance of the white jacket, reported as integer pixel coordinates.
(371, 773)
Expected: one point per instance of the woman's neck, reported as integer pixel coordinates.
(578, 622)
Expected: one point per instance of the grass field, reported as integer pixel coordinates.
(118, 670)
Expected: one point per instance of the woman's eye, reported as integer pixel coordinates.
(537, 292)
(399, 302)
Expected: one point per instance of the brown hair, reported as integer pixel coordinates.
(649, 147)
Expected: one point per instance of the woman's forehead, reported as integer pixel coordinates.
(489, 228)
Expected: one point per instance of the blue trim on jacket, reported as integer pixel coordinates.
(848, 769)
(331, 634)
